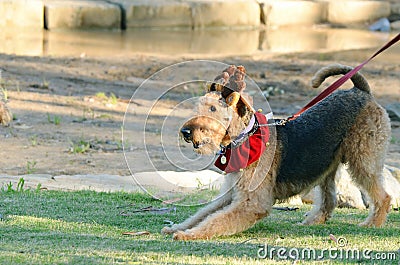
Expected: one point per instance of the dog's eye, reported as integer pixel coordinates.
(213, 108)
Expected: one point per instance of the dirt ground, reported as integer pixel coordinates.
(68, 121)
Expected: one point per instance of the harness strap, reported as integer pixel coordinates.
(245, 151)
(329, 90)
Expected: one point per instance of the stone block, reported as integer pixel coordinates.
(21, 13)
(190, 13)
(81, 14)
(347, 12)
(350, 196)
(395, 8)
(235, 13)
(156, 13)
(395, 25)
(290, 13)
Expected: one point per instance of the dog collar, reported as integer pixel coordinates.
(249, 130)
(246, 148)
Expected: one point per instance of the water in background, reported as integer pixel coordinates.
(100, 44)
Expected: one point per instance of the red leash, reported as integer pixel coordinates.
(329, 90)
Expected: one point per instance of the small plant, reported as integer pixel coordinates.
(38, 187)
(31, 167)
(112, 99)
(6, 85)
(272, 91)
(17, 86)
(102, 96)
(20, 185)
(9, 187)
(45, 84)
(120, 145)
(34, 141)
(394, 140)
(200, 184)
(204, 186)
(105, 117)
(56, 120)
(86, 112)
(80, 147)
(4, 91)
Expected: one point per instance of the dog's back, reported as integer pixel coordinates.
(311, 144)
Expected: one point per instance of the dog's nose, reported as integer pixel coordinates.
(186, 133)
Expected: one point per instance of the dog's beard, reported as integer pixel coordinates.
(205, 147)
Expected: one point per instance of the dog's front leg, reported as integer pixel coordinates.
(244, 211)
(247, 207)
(234, 218)
(224, 199)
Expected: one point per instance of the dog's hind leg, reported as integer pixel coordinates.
(324, 200)
(368, 177)
(379, 200)
(365, 149)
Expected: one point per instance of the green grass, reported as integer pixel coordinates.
(112, 99)
(31, 167)
(79, 147)
(56, 120)
(54, 227)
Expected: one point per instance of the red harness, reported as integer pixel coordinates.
(240, 155)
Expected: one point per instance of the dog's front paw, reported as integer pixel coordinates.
(315, 219)
(367, 223)
(168, 230)
(181, 235)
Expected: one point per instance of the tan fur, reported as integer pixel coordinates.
(248, 196)
(363, 147)
(5, 114)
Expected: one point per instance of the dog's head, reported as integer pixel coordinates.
(222, 113)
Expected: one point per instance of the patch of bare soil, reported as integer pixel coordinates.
(68, 112)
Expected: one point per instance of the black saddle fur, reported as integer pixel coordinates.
(310, 142)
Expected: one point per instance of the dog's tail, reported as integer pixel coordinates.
(358, 79)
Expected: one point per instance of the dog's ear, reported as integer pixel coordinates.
(214, 87)
(233, 99)
(244, 105)
(246, 101)
(241, 103)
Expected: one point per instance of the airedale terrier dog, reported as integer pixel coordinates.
(5, 114)
(348, 126)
